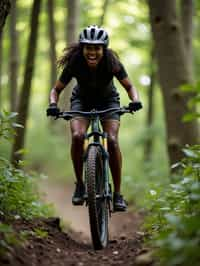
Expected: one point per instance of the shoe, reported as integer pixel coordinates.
(119, 204)
(78, 196)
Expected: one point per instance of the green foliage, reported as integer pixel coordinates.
(193, 103)
(40, 233)
(7, 125)
(18, 195)
(18, 192)
(175, 213)
(7, 237)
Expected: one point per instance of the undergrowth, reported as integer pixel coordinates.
(174, 217)
(19, 198)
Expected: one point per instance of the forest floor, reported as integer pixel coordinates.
(48, 243)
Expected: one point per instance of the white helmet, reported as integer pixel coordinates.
(94, 35)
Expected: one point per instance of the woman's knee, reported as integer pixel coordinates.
(78, 130)
(112, 141)
(78, 137)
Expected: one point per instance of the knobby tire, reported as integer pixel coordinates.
(97, 207)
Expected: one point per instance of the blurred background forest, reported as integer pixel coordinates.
(152, 139)
(159, 43)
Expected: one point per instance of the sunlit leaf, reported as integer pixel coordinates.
(165, 209)
(12, 115)
(190, 117)
(190, 153)
(172, 219)
(22, 151)
(187, 88)
(17, 125)
(152, 192)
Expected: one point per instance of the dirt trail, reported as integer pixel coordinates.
(121, 224)
(47, 244)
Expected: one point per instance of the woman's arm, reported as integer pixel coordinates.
(55, 92)
(130, 89)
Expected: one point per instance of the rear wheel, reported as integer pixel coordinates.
(97, 203)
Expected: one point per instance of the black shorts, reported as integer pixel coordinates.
(79, 105)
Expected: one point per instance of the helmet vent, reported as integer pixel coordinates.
(92, 33)
(99, 34)
(85, 33)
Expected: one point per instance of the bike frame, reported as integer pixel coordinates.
(96, 142)
(98, 135)
(99, 139)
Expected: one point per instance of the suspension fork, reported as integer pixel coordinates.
(107, 185)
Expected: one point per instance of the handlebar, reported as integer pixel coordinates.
(67, 115)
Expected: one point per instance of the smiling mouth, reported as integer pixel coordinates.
(92, 60)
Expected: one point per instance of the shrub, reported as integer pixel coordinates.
(175, 214)
(19, 197)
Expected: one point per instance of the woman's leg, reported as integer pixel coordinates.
(79, 127)
(112, 129)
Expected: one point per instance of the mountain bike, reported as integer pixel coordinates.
(98, 195)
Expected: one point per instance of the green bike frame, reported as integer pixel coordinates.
(99, 138)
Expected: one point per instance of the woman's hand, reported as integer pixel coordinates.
(135, 106)
(53, 110)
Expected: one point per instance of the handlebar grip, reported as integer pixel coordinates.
(67, 117)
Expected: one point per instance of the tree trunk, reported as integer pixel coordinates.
(150, 111)
(1, 58)
(16, 156)
(173, 71)
(187, 12)
(105, 7)
(51, 26)
(13, 58)
(4, 10)
(73, 7)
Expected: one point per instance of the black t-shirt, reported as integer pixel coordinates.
(93, 84)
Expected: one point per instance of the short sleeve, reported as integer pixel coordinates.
(65, 76)
(120, 73)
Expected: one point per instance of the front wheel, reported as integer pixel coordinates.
(97, 203)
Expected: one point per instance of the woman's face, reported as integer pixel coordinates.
(93, 54)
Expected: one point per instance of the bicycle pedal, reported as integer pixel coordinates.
(80, 203)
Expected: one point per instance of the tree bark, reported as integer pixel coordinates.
(73, 7)
(4, 10)
(187, 12)
(13, 58)
(105, 7)
(150, 111)
(19, 140)
(1, 58)
(173, 72)
(52, 37)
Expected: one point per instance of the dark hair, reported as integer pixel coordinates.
(70, 55)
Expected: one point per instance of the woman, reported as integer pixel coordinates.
(94, 66)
